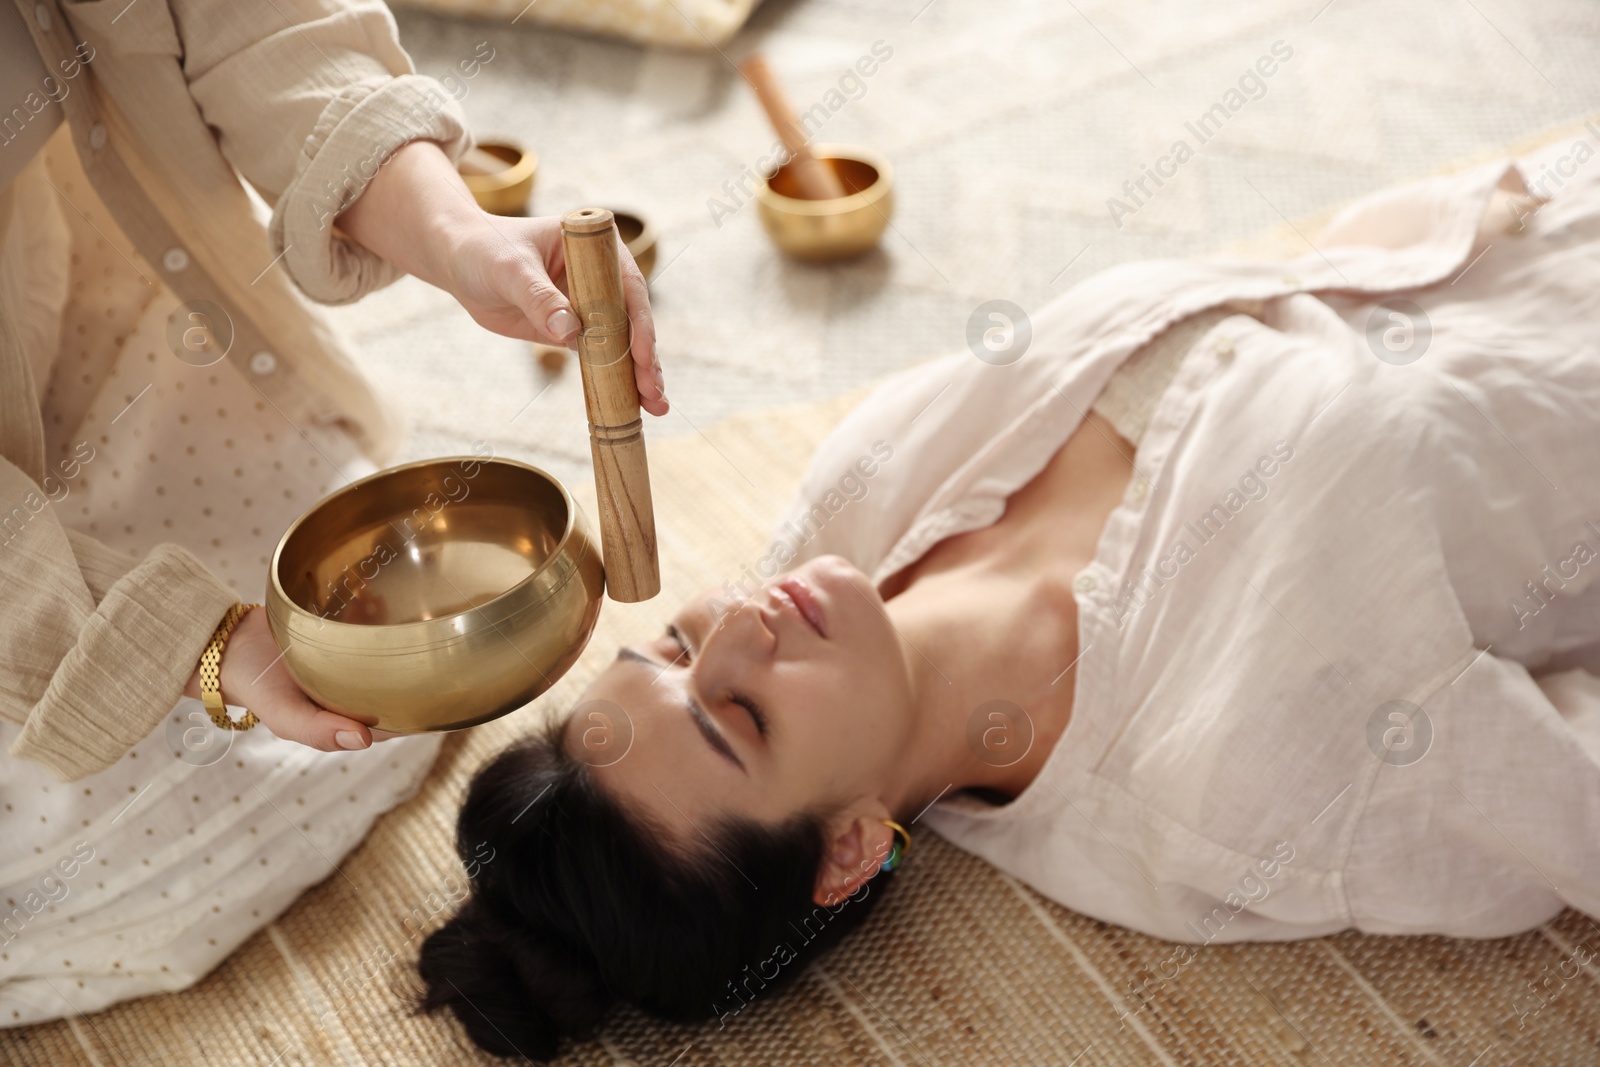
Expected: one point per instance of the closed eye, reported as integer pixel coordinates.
(757, 716)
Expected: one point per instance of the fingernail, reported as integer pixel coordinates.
(661, 386)
(349, 739)
(562, 325)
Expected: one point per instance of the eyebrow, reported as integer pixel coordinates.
(702, 721)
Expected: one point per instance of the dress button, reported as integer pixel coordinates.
(41, 15)
(1084, 583)
(1141, 489)
(1290, 279)
(97, 136)
(174, 259)
(1225, 347)
(263, 363)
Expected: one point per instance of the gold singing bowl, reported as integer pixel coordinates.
(436, 595)
(640, 239)
(504, 192)
(837, 228)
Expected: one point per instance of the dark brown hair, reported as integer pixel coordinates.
(582, 904)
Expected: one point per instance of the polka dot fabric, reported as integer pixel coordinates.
(143, 877)
(192, 454)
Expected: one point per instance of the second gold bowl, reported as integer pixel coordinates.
(639, 236)
(436, 595)
(504, 191)
(838, 228)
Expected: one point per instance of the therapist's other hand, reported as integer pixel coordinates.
(254, 677)
(509, 273)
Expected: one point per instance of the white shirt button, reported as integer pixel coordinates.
(1225, 347)
(41, 15)
(263, 363)
(1290, 279)
(1141, 489)
(174, 259)
(1084, 583)
(97, 136)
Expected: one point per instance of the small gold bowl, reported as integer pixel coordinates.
(839, 228)
(435, 595)
(504, 192)
(640, 238)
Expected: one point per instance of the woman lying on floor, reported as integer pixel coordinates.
(1247, 604)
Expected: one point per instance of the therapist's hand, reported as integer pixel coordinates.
(254, 677)
(509, 273)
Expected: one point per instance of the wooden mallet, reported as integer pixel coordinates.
(616, 432)
(816, 179)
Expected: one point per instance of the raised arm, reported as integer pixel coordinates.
(317, 105)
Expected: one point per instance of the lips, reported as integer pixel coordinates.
(797, 594)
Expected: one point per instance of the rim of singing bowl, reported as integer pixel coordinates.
(647, 229)
(872, 194)
(442, 630)
(643, 244)
(517, 170)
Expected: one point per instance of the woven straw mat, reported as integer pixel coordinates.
(961, 964)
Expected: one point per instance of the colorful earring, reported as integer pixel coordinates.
(902, 846)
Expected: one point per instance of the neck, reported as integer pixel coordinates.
(979, 721)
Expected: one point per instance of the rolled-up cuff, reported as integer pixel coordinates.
(358, 130)
(129, 666)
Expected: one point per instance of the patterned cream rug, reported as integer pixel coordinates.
(1010, 127)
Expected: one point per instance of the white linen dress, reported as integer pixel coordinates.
(1331, 643)
(143, 877)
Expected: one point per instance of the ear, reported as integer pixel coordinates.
(859, 844)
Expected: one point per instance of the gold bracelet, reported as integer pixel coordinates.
(211, 672)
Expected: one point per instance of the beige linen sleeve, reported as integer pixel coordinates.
(95, 646)
(309, 98)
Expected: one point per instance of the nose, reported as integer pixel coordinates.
(741, 629)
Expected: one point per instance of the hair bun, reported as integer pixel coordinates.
(514, 995)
